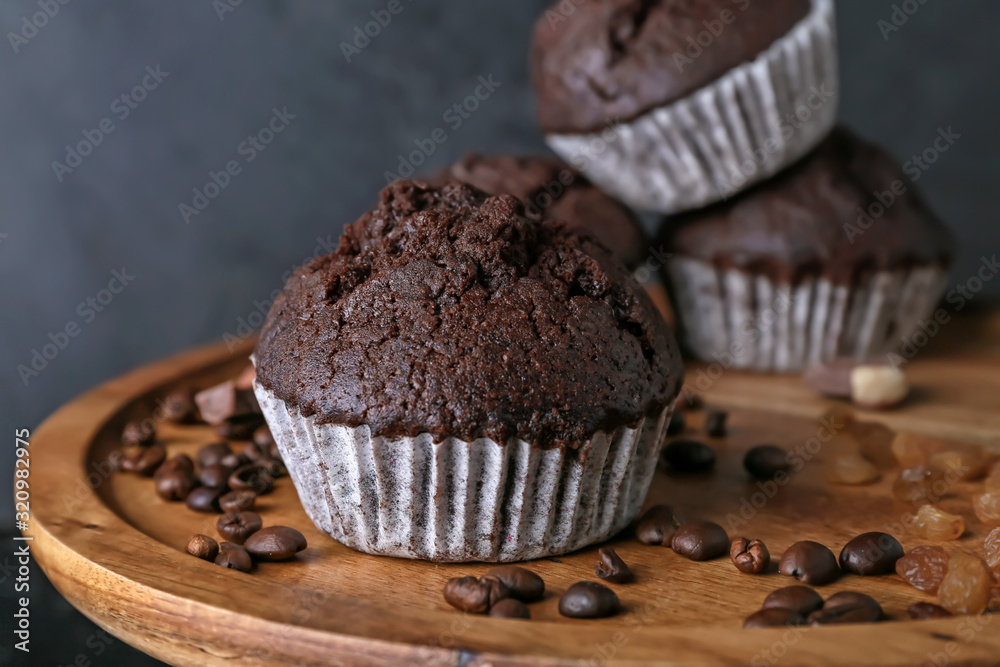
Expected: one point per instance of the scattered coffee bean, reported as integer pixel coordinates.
(700, 540)
(475, 596)
(918, 611)
(274, 467)
(871, 553)
(219, 403)
(150, 459)
(203, 547)
(203, 499)
(749, 556)
(766, 461)
(139, 434)
(677, 423)
(173, 485)
(715, 423)
(688, 456)
(239, 427)
(611, 567)
(847, 607)
(262, 437)
(180, 463)
(588, 599)
(237, 501)
(810, 562)
(179, 407)
(773, 617)
(657, 525)
(215, 475)
(233, 557)
(800, 599)
(251, 451)
(253, 478)
(213, 453)
(510, 608)
(275, 543)
(128, 457)
(238, 526)
(524, 584)
(234, 460)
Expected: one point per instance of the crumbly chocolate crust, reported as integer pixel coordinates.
(612, 60)
(552, 188)
(446, 311)
(821, 216)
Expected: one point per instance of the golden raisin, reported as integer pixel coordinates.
(987, 507)
(875, 441)
(911, 449)
(963, 464)
(920, 485)
(851, 468)
(924, 567)
(966, 588)
(991, 549)
(934, 524)
(993, 478)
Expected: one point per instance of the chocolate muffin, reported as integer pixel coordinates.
(459, 382)
(837, 256)
(674, 104)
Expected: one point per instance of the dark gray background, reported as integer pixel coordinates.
(119, 208)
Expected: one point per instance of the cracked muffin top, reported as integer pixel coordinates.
(445, 310)
(552, 188)
(613, 60)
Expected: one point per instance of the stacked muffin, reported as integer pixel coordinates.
(686, 109)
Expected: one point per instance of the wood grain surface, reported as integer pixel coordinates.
(115, 550)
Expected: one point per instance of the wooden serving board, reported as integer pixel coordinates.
(115, 550)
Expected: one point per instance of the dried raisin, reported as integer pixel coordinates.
(987, 507)
(920, 485)
(963, 464)
(934, 524)
(991, 548)
(923, 568)
(966, 588)
(851, 468)
(993, 479)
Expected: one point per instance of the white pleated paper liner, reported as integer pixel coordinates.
(747, 321)
(463, 501)
(747, 125)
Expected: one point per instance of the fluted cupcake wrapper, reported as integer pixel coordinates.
(747, 125)
(745, 320)
(463, 501)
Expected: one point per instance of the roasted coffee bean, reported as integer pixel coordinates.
(800, 599)
(510, 608)
(219, 403)
(700, 540)
(238, 526)
(251, 451)
(749, 556)
(810, 562)
(475, 596)
(275, 543)
(657, 525)
(203, 547)
(715, 423)
(180, 463)
(179, 407)
(274, 467)
(150, 459)
(611, 567)
(918, 611)
(233, 557)
(234, 460)
(173, 485)
(524, 584)
(239, 427)
(203, 499)
(588, 599)
(213, 453)
(215, 475)
(237, 501)
(139, 434)
(677, 423)
(262, 437)
(773, 617)
(688, 456)
(128, 457)
(766, 461)
(847, 607)
(871, 553)
(253, 478)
